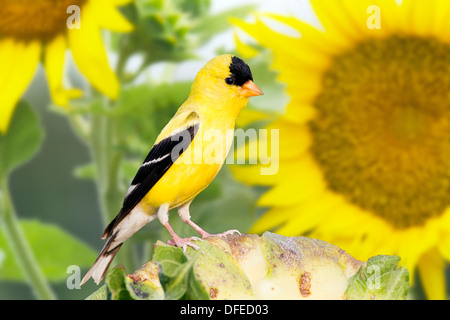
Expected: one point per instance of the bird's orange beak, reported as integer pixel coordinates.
(250, 89)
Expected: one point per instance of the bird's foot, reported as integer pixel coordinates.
(184, 243)
(221, 235)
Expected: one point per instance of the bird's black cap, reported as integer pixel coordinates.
(240, 71)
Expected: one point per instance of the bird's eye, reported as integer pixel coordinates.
(229, 81)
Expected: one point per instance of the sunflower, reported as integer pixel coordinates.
(32, 30)
(365, 138)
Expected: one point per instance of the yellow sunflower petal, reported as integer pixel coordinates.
(293, 141)
(54, 67)
(290, 46)
(300, 113)
(252, 174)
(247, 153)
(426, 18)
(419, 16)
(20, 71)
(313, 39)
(271, 219)
(248, 116)
(432, 274)
(444, 243)
(303, 83)
(351, 229)
(244, 50)
(362, 13)
(314, 210)
(336, 21)
(289, 193)
(115, 2)
(413, 242)
(90, 55)
(258, 30)
(110, 18)
(440, 26)
(7, 53)
(306, 181)
(347, 220)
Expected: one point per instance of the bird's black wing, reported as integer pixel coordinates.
(158, 161)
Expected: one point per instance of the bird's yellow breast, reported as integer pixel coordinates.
(194, 170)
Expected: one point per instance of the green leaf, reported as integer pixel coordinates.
(177, 274)
(171, 274)
(53, 248)
(2, 259)
(22, 139)
(176, 287)
(211, 25)
(143, 111)
(195, 7)
(86, 171)
(381, 279)
(100, 294)
(170, 258)
(116, 285)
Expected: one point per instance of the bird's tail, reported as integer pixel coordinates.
(118, 231)
(101, 264)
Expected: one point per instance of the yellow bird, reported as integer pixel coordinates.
(185, 158)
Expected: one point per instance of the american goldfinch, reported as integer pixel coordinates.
(173, 173)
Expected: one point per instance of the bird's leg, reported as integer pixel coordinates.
(184, 214)
(163, 216)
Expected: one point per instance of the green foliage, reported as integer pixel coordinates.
(171, 30)
(380, 279)
(2, 259)
(211, 25)
(143, 110)
(176, 276)
(116, 284)
(21, 141)
(53, 248)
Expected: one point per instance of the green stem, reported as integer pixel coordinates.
(104, 139)
(21, 248)
(108, 159)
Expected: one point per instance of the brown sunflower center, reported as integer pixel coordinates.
(382, 136)
(35, 19)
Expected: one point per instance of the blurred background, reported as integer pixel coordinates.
(59, 186)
